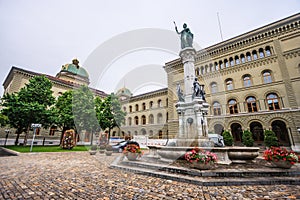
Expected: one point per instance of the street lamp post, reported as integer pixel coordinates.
(34, 126)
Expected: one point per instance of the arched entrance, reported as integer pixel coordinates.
(236, 131)
(257, 132)
(218, 129)
(143, 131)
(279, 128)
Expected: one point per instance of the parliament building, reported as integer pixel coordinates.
(252, 82)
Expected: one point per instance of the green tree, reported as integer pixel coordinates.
(83, 108)
(270, 139)
(63, 110)
(30, 105)
(247, 138)
(228, 139)
(109, 112)
(3, 120)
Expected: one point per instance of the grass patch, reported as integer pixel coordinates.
(26, 149)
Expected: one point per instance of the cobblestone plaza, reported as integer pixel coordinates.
(77, 175)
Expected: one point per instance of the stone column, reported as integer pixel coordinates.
(188, 59)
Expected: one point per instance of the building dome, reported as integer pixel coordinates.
(74, 73)
(75, 69)
(124, 93)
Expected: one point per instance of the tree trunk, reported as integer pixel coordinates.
(26, 136)
(108, 138)
(92, 137)
(18, 136)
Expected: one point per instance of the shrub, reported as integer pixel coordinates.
(270, 139)
(247, 138)
(94, 148)
(228, 139)
(109, 148)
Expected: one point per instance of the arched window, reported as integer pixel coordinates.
(231, 61)
(197, 71)
(243, 58)
(226, 63)
(160, 134)
(216, 108)
(268, 51)
(273, 101)
(159, 103)
(202, 70)
(237, 60)
(144, 132)
(167, 117)
(211, 68)
(261, 53)
(136, 107)
(151, 104)
(130, 108)
(150, 133)
(254, 53)
(232, 106)
(216, 66)
(221, 64)
(124, 109)
(267, 76)
(248, 55)
(214, 87)
(143, 119)
(129, 121)
(247, 80)
(151, 119)
(159, 118)
(206, 69)
(144, 106)
(251, 104)
(167, 102)
(136, 120)
(229, 84)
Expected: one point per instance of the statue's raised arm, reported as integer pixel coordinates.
(186, 36)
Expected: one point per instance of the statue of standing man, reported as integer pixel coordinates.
(186, 36)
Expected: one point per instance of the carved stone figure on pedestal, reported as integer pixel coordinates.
(179, 94)
(186, 36)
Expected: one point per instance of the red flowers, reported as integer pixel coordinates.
(200, 155)
(132, 148)
(277, 153)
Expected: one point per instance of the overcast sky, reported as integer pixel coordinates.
(41, 36)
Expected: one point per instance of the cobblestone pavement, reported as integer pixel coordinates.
(78, 175)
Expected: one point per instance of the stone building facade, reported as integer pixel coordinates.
(147, 114)
(252, 82)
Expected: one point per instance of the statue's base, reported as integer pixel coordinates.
(203, 142)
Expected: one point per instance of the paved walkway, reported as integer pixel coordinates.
(77, 175)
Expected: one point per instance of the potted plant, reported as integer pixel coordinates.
(270, 139)
(132, 151)
(200, 158)
(93, 150)
(228, 139)
(247, 138)
(108, 150)
(102, 148)
(281, 157)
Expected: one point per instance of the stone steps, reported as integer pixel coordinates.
(213, 177)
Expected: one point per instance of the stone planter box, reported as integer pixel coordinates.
(242, 154)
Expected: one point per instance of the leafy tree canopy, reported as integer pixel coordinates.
(30, 105)
(109, 112)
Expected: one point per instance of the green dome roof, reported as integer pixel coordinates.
(74, 68)
(124, 92)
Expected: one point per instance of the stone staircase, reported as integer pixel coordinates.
(234, 174)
